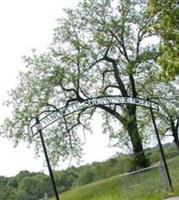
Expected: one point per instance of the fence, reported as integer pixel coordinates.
(173, 165)
(151, 180)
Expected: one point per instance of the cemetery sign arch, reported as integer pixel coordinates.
(49, 117)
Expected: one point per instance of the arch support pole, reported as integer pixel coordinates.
(47, 158)
(161, 150)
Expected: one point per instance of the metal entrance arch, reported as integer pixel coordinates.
(48, 117)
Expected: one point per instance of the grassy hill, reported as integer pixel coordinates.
(150, 184)
(105, 189)
(108, 189)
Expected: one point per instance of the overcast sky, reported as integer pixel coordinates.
(25, 25)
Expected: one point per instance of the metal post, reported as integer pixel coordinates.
(47, 159)
(161, 150)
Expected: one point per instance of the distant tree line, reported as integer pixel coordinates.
(32, 186)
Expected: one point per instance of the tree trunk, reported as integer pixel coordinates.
(175, 132)
(177, 143)
(140, 160)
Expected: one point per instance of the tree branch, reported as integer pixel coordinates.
(78, 97)
(112, 112)
(132, 81)
(116, 74)
(109, 86)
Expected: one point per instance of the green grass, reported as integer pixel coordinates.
(111, 189)
(107, 189)
(146, 185)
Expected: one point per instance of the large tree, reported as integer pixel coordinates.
(166, 25)
(100, 48)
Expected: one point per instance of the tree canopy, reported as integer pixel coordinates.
(166, 18)
(102, 47)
